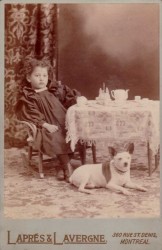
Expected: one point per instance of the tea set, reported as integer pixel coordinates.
(118, 95)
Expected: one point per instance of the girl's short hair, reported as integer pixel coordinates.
(31, 63)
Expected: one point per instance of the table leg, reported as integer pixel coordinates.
(94, 153)
(149, 152)
(82, 152)
(156, 161)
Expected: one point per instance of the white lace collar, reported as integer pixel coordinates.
(40, 90)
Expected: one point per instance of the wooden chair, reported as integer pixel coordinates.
(33, 151)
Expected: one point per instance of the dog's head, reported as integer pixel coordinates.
(122, 160)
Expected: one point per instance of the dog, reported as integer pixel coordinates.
(114, 175)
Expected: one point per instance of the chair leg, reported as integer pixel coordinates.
(40, 165)
(30, 151)
(94, 153)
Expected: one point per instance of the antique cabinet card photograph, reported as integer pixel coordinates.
(80, 125)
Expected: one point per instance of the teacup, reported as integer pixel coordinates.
(137, 97)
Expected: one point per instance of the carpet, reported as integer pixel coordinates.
(27, 197)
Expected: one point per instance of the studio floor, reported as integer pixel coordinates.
(27, 197)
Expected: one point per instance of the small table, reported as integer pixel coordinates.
(114, 121)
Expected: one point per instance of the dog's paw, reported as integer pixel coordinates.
(143, 189)
(126, 192)
(90, 192)
(87, 191)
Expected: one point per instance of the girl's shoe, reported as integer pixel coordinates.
(66, 175)
(60, 175)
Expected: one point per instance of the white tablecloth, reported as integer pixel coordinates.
(115, 121)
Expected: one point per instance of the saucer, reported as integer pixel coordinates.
(145, 99)
(120, 101)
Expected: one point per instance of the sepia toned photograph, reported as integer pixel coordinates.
(82, 110)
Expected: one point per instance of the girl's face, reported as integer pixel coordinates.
(38, 77)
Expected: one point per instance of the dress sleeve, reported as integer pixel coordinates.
(66, 95)
(28, 111)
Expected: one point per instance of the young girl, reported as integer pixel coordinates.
(45, 104)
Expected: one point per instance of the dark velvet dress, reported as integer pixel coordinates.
(47, 106)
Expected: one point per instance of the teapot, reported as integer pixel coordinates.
(120, 94)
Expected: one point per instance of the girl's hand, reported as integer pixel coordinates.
(81, 100)
(50, 127)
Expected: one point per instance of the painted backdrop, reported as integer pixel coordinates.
(113, 43)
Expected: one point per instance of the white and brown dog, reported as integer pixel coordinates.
(114, 175)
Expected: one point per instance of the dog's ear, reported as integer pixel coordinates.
(112, 151)
(130, 148)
